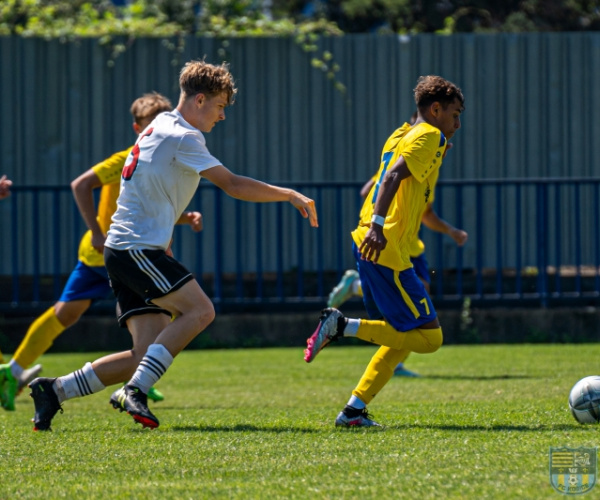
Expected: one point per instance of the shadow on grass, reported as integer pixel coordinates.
(470, 377)
(492, 428)
(242, 428)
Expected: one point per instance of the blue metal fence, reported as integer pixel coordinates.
(531, 242)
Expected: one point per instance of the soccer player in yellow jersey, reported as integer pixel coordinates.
(350, 285)
(389, 222)
(89, 280)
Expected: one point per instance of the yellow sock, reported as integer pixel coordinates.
(378, 373)
(39, 338)
(418, 340)
(395, 347)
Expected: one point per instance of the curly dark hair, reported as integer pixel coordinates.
(201, 77)
(433, 88)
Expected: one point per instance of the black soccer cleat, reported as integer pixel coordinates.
(353, 417)
(130, 399)
(45, 401)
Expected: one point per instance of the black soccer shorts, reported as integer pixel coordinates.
(139, 276)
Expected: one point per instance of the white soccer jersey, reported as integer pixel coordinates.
(159, 179)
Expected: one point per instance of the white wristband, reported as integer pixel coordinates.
(378, 219)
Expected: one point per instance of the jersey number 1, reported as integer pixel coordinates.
(385, 159)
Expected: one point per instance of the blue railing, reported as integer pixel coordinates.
(532, 242)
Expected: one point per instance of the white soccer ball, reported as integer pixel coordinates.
(584, 400)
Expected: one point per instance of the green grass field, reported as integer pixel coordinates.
(258, 423)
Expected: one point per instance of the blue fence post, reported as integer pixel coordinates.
(596, 217)
(542, 238)
(14, 248)
(36, 248)
(218, 245)
(577, 238)
(499, 241)
(557, 237)
(479, 239)
(518, 242)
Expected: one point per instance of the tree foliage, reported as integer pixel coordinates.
(227, 18)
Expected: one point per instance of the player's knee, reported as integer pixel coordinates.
(433, 339)
(205, 316)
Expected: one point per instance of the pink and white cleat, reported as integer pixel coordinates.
(331, 327)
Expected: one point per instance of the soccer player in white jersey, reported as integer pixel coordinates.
(159, 179)
(88, 282)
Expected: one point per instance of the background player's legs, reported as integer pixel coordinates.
(348, 287)
(400, 370)
(44, 330)
(38, 339)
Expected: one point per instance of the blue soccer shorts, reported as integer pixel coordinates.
(421, 267)
(398, 297)
(86, 283)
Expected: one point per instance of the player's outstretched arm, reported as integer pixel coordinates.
(5, 185)
(248, 189)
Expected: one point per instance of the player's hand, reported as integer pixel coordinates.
(5, 185)
(169, 250)
(306, 206)
(195, 221)
(98, 242)
(373, 244)
(459, 236)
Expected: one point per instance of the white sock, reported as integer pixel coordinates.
(354, 402)
(16, 369)
(351, 327)
(356, 287)
(154, 365)
(79, 383)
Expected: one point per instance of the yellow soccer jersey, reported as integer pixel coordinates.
(422, 146)
(416, 247)
(109, 173)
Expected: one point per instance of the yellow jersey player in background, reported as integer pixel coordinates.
(403, 318)
(89, 280)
